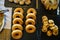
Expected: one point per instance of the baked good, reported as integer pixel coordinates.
(27, 2)
(18, 21)
(50, 4)
(18, 15)
(17, 27)
(32, 16)
(30, 21)
(30, 28)
(17, 34)
(19, 10)
(31, 10)
(49, 33)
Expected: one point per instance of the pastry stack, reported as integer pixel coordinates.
(17, 27)
(49, 26)
(30, 20)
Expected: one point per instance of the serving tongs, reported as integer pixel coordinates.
(2, 19)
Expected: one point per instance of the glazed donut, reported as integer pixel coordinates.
(17, 15)
(44, 29)
(32, 16)
(30, 28)
(55, 31)
(44, 17)
(16, 1)
(30, 21)
(50, 4)
(49, 33)
(19, 10)
(11, 0)
(21, 2)
(27, 2)
(17, 27)
(18, 21)
(31, 10)
(17, 34)
(51, 21)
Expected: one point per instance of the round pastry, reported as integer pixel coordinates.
(44, 17)
(21, 2)
(46, 23)
(45, 20)
(50, 4)
(30, 21)
(30, 28)
(17, 27)
(51, 21)
(32, 16)
(55, 31)
(19, 10)
(17, 34)
(11, 0)
(18, 15)
(16, 1)
(49, 33)
(44, 29)
(18, 21)
(31, 10)
(27, 2)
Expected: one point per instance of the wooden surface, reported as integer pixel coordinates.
(5, 34)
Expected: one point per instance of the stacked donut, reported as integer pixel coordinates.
(49, 26)
(50, 4)
(17, 23)
(21, 2)
(30, 21)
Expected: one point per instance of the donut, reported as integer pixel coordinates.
(51, 21)
(32, 16)
(30, 21)
(17, 27)
(19, 10)
(50, 4)
(27, 2)
(17, 34)
(18, 21)
(16, 1)
(44, 29)
(30, 28)
(21, 2)
(55, 31)
(31, 10)
(46, 23)
(11, 0)
(49, 33)
(17, 15)
(44, 17)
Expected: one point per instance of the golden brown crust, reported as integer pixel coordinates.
(17, 27)
(31, 10)
(18, 21)
(49, 33)
(50, 4)
(18, 15)
(30, 28)
(19, 10)
(17, 34)
(30, 21)
(32, 16)
(27, 2)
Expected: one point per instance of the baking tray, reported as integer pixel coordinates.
(51, 14)
(27, 36)
(9, 4)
